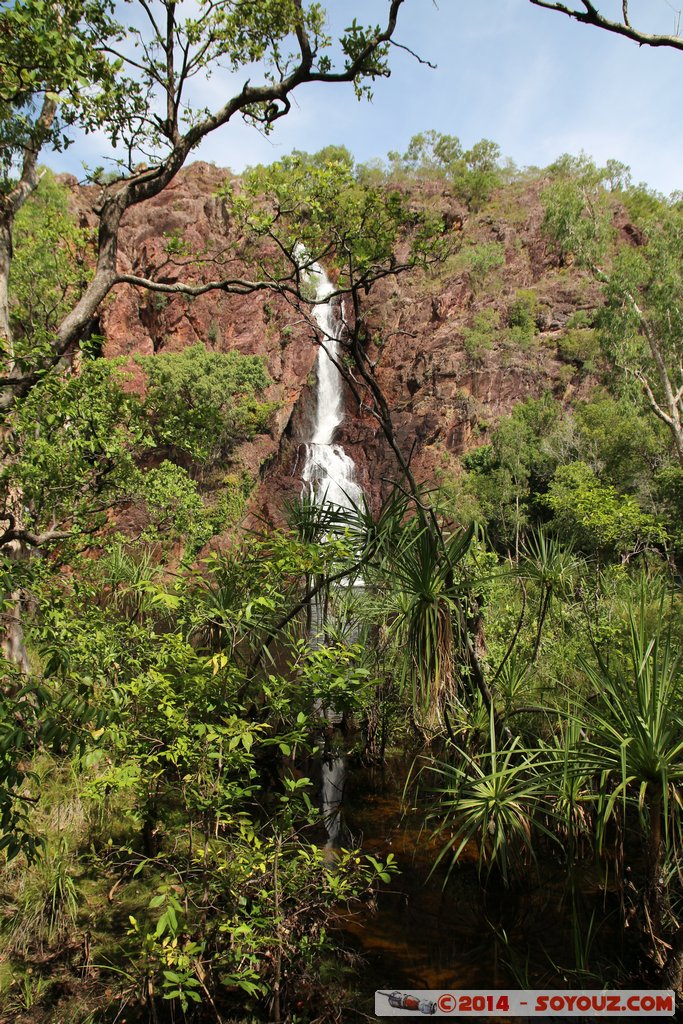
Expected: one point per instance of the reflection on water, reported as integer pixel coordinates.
(426, 934)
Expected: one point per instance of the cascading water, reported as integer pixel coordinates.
(329, 473)
(328, 470)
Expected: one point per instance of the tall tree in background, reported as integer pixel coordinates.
(642, 323)
(72, 64)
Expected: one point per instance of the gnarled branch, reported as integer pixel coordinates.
(590, 15)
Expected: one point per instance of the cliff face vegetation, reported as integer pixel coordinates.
(458, 343)
(200, 652)
(440, 686)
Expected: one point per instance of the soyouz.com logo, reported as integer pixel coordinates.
(523, 1003)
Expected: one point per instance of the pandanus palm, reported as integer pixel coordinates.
(552, 566)
(614, 760)
(421, 570)
(495, 798)
(634, 744)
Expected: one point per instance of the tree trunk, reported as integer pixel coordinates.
(11, 631)
(13, 646)
(656, 903)
(6, 343)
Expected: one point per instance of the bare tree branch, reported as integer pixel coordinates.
(590, 15)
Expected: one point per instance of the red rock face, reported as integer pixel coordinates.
(444, 399)
(137, 322)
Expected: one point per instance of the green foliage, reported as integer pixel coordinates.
(183, 740)
(551, 566)
(59, 54)
(642, 286)
(651, 274)
(79, 443)
(51, 54)
(73, 446)
(202, 403)
(422, 578)
(635, 733)
(44, 909)
(522, 313)
(608, 757)
(35, 716)
(596, 516)
(184, 703)
(542, 458)
(47, 247)
(472, 174)
(333, 676)
(669, 499)
(480, 337)
(175, 508)
(505, 475)
(482, 260)
(582, 347)
(622, 444)
(643, 203)
(496, 798)
(578, 210)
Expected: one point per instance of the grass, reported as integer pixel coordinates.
(56, 915)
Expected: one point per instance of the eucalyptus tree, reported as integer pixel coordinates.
(642, 284)
(79, 63)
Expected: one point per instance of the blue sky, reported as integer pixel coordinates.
(535, 82)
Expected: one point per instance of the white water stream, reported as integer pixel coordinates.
(328, 471)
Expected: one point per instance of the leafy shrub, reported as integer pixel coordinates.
(596, 516)
(522, 313)
(580, 346)
(202, 403)
(479, 338)
(481, 260)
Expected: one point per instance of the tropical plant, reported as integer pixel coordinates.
(552, 567)
(610, 766)
(634, 745)
(425, 590)
(496, 798)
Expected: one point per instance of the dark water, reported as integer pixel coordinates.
(424, 934)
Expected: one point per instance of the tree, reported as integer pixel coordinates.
(596, 516)
(54, 75)
(472, 173)
(589, 14)
(72, 65)
(132, 83)
(201, 403)
(642, 284)
(507, 474)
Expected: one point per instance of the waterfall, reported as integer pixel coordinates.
(329, 473)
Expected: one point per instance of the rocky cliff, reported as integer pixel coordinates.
(455, 348)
